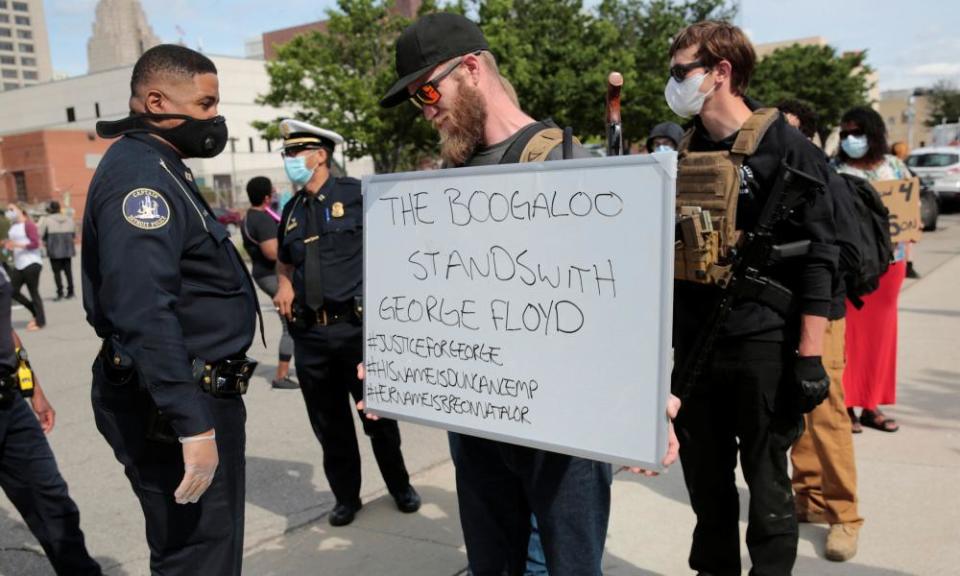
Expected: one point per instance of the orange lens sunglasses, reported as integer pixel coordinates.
(427, 93)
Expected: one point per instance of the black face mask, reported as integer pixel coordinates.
(193, 138)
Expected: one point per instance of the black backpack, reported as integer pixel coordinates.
(863, 235)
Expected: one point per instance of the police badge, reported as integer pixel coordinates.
(146, 209)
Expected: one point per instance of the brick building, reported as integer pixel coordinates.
(36, 167)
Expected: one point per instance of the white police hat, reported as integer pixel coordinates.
(297, 133)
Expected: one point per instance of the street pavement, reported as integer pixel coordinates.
(908, 479)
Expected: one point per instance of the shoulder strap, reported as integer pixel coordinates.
(685, 141)
(515, 151)
(753, 130)
(542, 143)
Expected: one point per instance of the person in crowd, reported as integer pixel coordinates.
(28, 469)
(170, 297)
(259, 231)
(824, 466)
(320, 286)
(870, 378)
(900, 150)
(766, 365)
(23, 239)
(665, 137)
(446, 69)
(59, 236)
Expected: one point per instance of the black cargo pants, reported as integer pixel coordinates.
(201, 538)
(327, 358)
(30, 478)
(741, 403)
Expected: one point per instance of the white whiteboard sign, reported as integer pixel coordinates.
(527, 303)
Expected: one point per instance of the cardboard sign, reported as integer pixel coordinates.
(525, 303)
(902, 199)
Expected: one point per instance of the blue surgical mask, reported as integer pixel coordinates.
(855, 146)
(663, 148)
(285, 197)
(297, 171)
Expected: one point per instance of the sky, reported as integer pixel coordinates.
(910, 43)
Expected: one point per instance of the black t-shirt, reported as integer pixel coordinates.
(810, 278)
(258, 227)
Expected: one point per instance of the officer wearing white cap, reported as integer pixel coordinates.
(320, 273)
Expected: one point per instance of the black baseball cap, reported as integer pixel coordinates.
(432, 39)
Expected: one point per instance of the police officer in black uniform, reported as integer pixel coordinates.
(166, 290)
(28, 470)
(320, 269)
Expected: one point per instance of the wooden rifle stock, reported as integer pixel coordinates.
(614, 125)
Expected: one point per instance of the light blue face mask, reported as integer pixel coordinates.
(285, 197)
(663, 148)
(855, 146)
(297, 171)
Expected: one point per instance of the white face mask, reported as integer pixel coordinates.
(685, 98)
(11, 215)
(663, 148)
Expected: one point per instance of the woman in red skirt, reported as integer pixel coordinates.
(870, 378)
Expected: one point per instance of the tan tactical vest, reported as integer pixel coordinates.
(542, 143)
(708, 185)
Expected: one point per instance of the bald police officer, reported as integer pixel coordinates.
(167, 291)
(320, 271)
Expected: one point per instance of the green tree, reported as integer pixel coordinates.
(335, 79)
(555, 56)
(944, 101)
(830, 83)
(558, 55)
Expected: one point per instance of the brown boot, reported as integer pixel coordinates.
(805, 516)
(842, 542)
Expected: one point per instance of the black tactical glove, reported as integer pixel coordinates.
(812, 382)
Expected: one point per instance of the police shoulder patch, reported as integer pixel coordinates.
(146, 209)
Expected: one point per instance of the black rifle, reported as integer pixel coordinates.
(754, 252)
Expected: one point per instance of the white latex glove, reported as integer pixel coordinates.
(200, 461)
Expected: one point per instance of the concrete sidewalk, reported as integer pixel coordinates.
(907, 480)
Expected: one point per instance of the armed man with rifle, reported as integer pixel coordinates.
(754, 264)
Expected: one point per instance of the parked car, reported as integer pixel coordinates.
(231, 219)
(939, 171)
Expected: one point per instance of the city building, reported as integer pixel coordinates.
(44, 165)
(24, 46)
(905, 113)
(62, 116)
(121, 34)
(253, 48)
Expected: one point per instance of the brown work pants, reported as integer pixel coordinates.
(824, 469)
